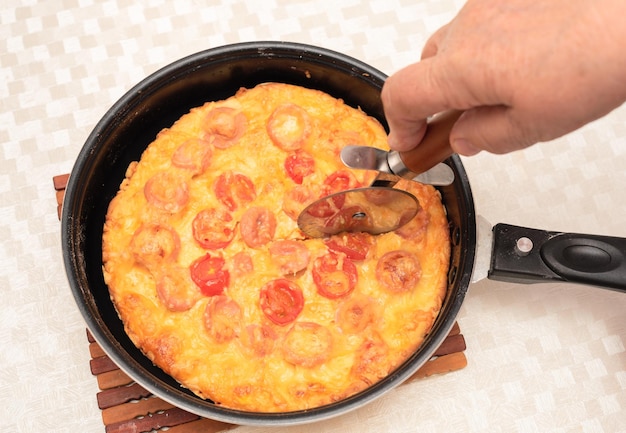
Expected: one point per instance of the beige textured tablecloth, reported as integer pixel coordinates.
(546, 357)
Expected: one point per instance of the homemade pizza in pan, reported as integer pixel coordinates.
(216, 284)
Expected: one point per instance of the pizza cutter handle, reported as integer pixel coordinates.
(435, 146)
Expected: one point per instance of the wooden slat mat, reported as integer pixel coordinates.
(129, 408)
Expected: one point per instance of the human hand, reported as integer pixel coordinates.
(524, 71)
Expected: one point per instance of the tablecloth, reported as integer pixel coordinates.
(546, 357)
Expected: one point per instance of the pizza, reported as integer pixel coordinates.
(216, 284)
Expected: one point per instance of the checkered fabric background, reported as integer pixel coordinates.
(548, 357)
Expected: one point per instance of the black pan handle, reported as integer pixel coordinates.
(523, 255)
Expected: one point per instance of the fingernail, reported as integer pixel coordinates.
(464, 147)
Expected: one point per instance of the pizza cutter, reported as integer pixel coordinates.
(380, 208)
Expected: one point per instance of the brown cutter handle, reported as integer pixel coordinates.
(435, 146)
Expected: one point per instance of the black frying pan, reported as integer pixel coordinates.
(155, 103)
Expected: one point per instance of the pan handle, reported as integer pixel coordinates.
(523, 255)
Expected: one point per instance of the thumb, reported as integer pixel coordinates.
(491, 128)
(406, 129)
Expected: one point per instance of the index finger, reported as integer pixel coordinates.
(409, 97)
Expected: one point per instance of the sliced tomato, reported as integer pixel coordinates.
(338, 181)
(154, 244)
(296, 199)
(307, 344)
(290, 256)
(281, 301)
(289, 126)
(167, 191)
(224, 126)
(222, 319)
(234, 189)
(334, 274)
(398, 271)
(213, 228)
(354, 245)
(299, 165)
(257, 226)
(209, 275)
(194, 155)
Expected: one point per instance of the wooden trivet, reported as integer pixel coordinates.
(129, 408)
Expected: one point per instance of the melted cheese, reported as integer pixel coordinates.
(253, 371)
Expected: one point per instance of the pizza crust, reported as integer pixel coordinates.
(228, 337)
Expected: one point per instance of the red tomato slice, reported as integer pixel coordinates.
(224, 126)
(257, 226)
(398, 271)
(194, 155)
(222, 319)
(209, 275)
(281, 301)
(354, 245)
(334, 275)
(234, 189)
(299, 165)
(213, 228)
(290, 256)
(154, 244)
(167, 191)
(288, 126)
(338, 181)
(307, 344)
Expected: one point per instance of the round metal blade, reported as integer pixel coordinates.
(373, 210)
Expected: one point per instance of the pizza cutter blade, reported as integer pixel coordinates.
(373, 210)
(381, 208)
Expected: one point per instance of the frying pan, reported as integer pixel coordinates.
(155, 103)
